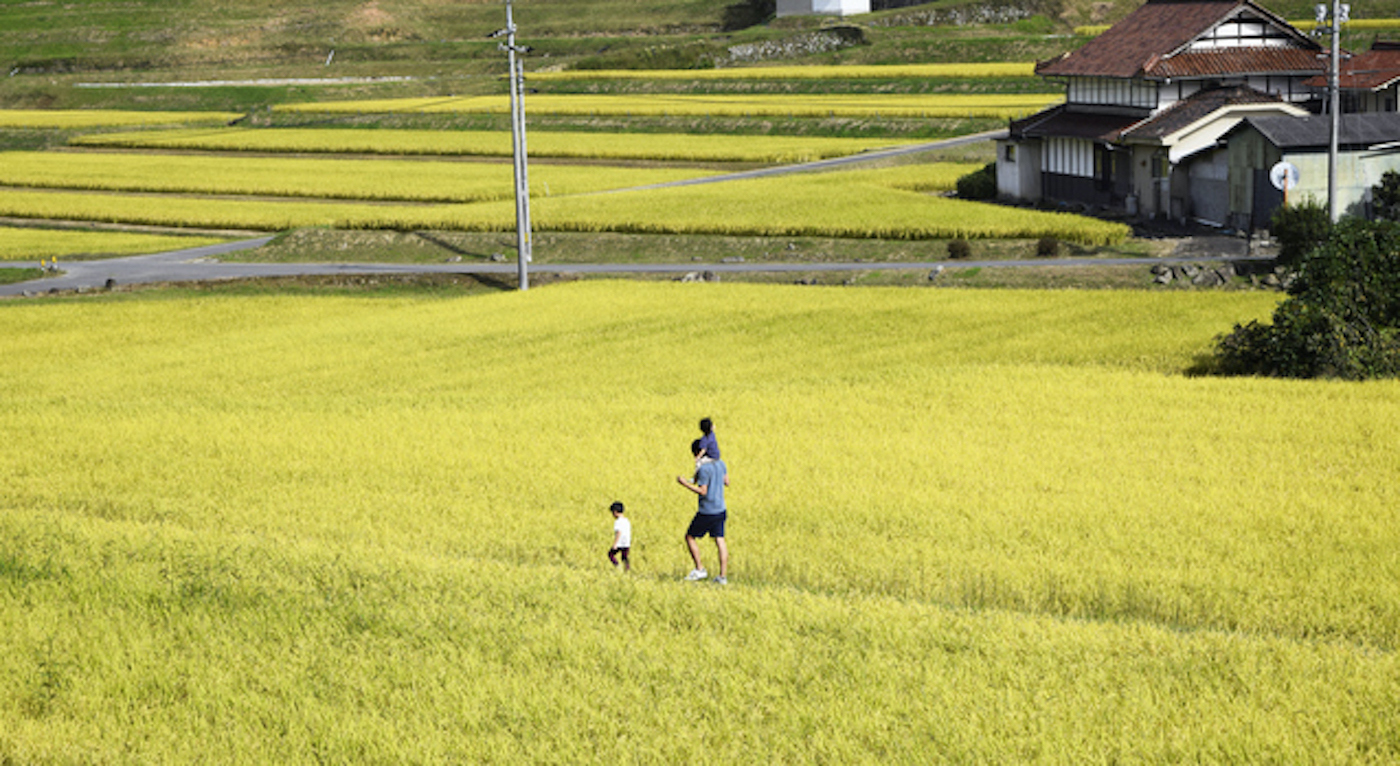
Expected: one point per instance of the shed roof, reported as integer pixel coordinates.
(1315, 131)
(1064, 122)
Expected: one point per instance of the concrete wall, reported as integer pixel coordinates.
(1357, 172)
(826, 7)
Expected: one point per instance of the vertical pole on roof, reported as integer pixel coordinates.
(522, 173)
(1334, 202)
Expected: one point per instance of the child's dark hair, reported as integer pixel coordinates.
(706, 425)
(616, 508)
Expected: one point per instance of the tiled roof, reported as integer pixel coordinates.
(1372, 70)
(1064, 122)
(1314, 130)
(1146, 43)
(1197, 107)
(1128, 47)
(1236, 61)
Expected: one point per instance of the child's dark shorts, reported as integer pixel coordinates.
(711, 524)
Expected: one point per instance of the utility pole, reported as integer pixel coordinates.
(517, 135)
(1340, 13)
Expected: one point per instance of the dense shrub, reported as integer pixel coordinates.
(1385, 197)
(1341, 318)
(959, 249)
(979, 184)
(748, 13)
(1047, 247)
(1299, 228)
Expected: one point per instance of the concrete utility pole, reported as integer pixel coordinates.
(517, 127)
(1339, 17)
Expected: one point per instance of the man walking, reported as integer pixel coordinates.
(711, 477)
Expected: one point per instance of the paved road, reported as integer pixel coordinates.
(202, 264)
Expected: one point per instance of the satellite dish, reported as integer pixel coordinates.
(1284, 176)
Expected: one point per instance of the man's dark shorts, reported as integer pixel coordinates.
(711, 524)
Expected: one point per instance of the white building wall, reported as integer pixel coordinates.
(1112, 91)
(1068, 156)
(1018, 170)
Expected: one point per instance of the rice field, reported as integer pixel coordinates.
(991, 105)
(860, 204)
(818, 204)
(966, 526)
(574, 145)
(32, 244)
(321, 178)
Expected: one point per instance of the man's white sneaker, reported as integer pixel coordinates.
(696, 574)
(720, 581)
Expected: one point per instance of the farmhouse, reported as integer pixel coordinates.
(1147, 102)
(829, 7)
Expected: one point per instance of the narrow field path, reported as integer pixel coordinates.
(835, 162)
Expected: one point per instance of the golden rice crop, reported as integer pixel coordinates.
(856, 204)
(999, 106)
(260, 214)
(29, 244)
(961, 71)
(827, 204)
(918, 177)
(69, 119)
(678, 147)
(966, 526)
(1355, 25)
(327, 178)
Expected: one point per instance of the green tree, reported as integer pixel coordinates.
(1299, 228)
(1385, 197)
(980, 183)
(1341, 318)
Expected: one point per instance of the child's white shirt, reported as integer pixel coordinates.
(623, 527)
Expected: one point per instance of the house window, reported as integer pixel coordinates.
(1010, 152)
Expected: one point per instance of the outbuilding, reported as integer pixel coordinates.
(1368, 146)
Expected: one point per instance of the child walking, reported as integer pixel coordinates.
(622, 537)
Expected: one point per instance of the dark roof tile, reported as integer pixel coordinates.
(1064, 122)
(1151, 35)
(1237, 61)
(1373, 70)
(1314, 130)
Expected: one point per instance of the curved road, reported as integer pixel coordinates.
(202, 264)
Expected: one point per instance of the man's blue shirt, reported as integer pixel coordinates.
(711, 475)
